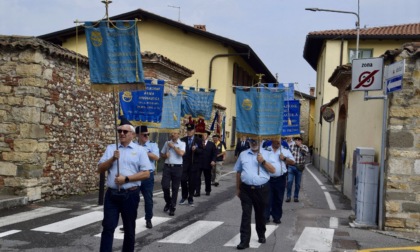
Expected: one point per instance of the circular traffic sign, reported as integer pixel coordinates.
(368, 82)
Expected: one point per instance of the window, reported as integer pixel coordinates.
(363, 54)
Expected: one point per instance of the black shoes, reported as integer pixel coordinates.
(207, 193)
(277, 221)
(296, 200)
(172, 212)
(288, 200)
(242, 246)
(166, 208)
(196, 195)
(216, 184)
(261, 240)
(149, 224)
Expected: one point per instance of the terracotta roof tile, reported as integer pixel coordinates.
(402, 30)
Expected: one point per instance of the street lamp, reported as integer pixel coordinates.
(345, 12)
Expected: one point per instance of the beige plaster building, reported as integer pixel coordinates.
(358, 122)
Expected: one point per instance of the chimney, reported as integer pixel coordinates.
(312, 91)
(200, 27)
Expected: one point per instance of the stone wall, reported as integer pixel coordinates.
(53, 129)
(402, 199)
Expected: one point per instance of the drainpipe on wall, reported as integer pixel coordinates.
(224, 55)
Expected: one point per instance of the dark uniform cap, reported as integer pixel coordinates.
(124, 121)
(141, 129)
(298, 138)
(215, 135)
(190, 126)
(208, 132)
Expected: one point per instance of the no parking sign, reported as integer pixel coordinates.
(367, 74)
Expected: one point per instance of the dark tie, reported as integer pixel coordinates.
(243, 144)
(189, 142)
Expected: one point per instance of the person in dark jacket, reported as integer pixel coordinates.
(190, 164)
(242, 145)
(207, 156)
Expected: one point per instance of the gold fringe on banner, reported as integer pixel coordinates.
(109, 88)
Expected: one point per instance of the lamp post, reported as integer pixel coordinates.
(345, 12)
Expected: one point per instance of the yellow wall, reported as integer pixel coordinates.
(364, 121)
(191, 51)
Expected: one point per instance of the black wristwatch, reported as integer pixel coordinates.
(126, 179)
(263, 162)
(284, 159)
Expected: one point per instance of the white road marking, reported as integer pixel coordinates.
(333, 222)
(254, 237)
(10, 232)
(315, 239)
(140, 226)
(72, 223)
(330, 201)
(315, 177)
(192, 232)
(24, 216)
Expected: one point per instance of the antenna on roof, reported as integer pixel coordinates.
(179, 11)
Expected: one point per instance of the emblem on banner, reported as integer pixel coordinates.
(96, 38)
(247, 104)
(127, 96)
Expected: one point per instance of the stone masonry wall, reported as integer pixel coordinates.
(53, 129)
(402, 197)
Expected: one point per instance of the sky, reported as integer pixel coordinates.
(275, 29)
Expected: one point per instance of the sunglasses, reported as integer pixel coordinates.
(123, 131)
(146, 135)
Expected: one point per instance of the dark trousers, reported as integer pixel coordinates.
(207, 180)
(127, 207)
(275, 198)
(146, 189)
(171, 174)
(256, 197)
(188, 181)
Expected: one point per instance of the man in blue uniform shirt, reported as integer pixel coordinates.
(253, 174)
(147, 185)
(279, 157)
(122, 196)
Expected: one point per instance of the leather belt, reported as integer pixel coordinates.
(254, 186)
(133, 188)
(274, 177)
(174, 165)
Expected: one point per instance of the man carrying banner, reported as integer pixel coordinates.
(191, 164)
(279, 157)
(172, 151)
(122, 196)
(220, 157)
(252, 175)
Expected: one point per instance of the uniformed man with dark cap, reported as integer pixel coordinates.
(122, 196)
(190, 163)
(147, 185)
(207, 157)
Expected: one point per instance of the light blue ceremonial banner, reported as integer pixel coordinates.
(143, 106)
(196, 103)
(171, 114)
(289, 90)
(114, 53)
(291, 113)
(259, 111)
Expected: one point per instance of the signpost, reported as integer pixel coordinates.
(367, 74)
(393, 75)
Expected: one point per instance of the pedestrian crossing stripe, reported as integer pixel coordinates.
(25, 216)
(193, 232)
(10, 232)
(253, 243)
(395, 249)
(315, 239)
(140, 226)
(72, 223)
